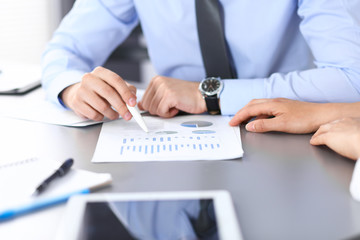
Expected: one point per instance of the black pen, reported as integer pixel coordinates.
(61, 171)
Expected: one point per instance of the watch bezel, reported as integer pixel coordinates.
(211, 93)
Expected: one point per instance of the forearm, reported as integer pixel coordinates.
(328, 112)
(314, 85)
(343, 110)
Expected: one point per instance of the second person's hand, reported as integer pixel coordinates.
(285, 116)
(343, 136)
(98, 94)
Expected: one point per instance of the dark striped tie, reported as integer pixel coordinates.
(214, 50)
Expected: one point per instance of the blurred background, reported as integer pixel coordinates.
(27, 25)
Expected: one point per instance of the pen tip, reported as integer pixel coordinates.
(34, 193)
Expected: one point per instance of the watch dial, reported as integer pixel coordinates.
(211, 85)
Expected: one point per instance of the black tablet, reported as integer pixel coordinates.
(152, 215)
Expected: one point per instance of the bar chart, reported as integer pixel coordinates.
(185, 144)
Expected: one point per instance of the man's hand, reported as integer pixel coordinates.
(342, 136)
(98, 93)
(286, 116)
(166, 96)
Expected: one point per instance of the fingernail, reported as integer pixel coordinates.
(132, 102)
(250, 127)
(127, 116)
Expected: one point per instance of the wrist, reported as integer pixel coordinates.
(326, 113)
(66, 95)
(201, 102)
(210, 89)
(200, 105)
(357, 146)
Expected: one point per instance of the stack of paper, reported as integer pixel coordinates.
(18, 78)
(34, 107)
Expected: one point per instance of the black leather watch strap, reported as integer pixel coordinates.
(212, 104)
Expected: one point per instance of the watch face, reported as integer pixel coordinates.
(211, 86)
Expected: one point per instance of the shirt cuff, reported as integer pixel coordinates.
(238, 92)
(59, 83)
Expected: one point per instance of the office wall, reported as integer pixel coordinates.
(25, 27)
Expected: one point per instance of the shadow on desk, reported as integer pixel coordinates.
(337, 166)
(295, 149)
(276, 144)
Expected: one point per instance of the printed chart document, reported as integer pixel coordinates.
(191, 137)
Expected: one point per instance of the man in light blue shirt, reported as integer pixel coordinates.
(306, 50)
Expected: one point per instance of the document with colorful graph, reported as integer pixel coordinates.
(185, 138)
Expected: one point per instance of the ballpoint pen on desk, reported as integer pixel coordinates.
(61, 171)
(138, 118)
(47, 202)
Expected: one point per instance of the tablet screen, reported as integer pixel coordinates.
(158, 219)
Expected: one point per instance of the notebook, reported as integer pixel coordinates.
(17, 78)
(19, 179)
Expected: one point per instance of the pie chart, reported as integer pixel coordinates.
(196, 124)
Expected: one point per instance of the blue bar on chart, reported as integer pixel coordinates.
(173, 145)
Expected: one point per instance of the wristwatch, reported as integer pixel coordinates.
(210, 88)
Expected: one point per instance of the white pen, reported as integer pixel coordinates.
(138, 118)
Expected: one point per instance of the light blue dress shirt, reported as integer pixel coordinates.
(305, 49)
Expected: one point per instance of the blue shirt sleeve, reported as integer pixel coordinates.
(332, 31)
(305, 50)
(85, 39)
